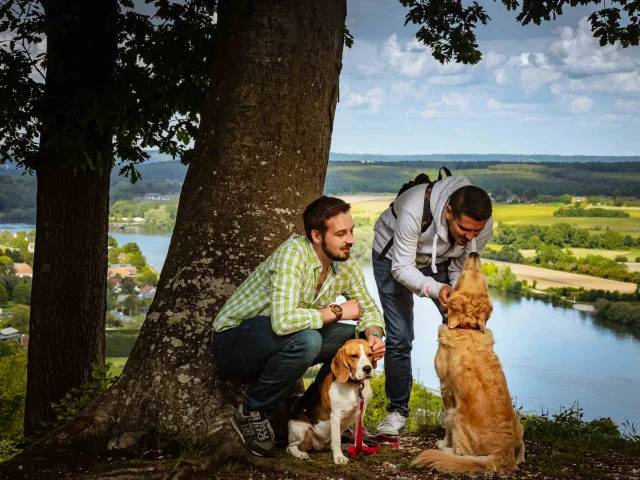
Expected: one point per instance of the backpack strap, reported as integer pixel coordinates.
(446, 171)
(427, 217)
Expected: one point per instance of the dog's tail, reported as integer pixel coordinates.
(449, 463)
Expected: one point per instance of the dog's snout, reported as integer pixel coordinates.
(367, 369)
(474, 255)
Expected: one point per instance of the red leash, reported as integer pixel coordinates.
(359, 446)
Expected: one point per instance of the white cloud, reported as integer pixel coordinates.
(496, 105)
(412, 59)
(628, 82)
(530, 70)
(626, 105)
(579, 53)
(403, 88)
(449, 104)
(449, 80)
(580, 105)
(372, 99)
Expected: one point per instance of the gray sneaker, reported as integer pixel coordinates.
(255, 431)
(393, 424)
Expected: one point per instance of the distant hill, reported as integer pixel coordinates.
(447, 158)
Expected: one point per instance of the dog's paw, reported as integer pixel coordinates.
(340, 459)
(441, 444)
(298, 454)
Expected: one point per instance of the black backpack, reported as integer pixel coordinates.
(427, 218)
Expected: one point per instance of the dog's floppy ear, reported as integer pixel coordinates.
(339, 365)
(484, 309)
(455, 309)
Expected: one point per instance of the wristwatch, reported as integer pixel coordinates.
(337, 311)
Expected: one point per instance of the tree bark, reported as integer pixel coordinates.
(260, 157)
(73, 166)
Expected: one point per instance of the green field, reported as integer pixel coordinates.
(117, 364)
(536, 214)
(542, 214)
(631, 254)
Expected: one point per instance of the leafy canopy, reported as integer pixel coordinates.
(447, 26)
(163, 68)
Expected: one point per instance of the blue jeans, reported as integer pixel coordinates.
(253, 351)
(397, 307)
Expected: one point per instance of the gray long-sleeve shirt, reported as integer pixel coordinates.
(413, 250)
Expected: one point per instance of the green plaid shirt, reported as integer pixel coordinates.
(283, 287)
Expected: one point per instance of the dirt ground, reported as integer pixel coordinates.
(542, 461)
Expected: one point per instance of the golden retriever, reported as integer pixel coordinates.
(483, 431)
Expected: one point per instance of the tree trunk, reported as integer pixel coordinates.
(260, 158)
(73, 166)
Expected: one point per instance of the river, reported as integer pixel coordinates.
(551, 356)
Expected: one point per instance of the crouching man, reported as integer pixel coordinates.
(282, 319)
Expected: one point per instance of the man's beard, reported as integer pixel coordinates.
(338, 256)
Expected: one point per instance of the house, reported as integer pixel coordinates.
(147, 291)
(155, 196)
(131, 269)
(513, 198)
(122, 257)
(575, 199)
(9, 333)
(122, 269)
(122, 298)
(116, 283)
(31, 247)
(23, 270)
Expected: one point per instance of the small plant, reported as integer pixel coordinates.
(8, 449)
(569, 427)
(425, 408)
(621, 258)
(77, 398)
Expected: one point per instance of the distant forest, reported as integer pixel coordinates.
(526, 180)
(532, 181)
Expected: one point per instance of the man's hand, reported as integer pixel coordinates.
(351, 310)
(443, 298)
(377, 345)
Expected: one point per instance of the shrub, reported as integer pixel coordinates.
(77, 398)
(425, 407)
(13, 387)
(569, 427)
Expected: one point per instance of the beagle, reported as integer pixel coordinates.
(330, 406)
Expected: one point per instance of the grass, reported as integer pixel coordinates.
(569, 429)
(117, 364)
(631, 254)
(542, 214)
(367, 212)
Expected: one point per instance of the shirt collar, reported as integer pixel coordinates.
(335, 265)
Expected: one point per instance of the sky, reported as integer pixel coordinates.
(548, 89)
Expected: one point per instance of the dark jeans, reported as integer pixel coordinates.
(253, 351)
(397, 307)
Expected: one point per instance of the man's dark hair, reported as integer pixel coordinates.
(317, 213)
(471, 201)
